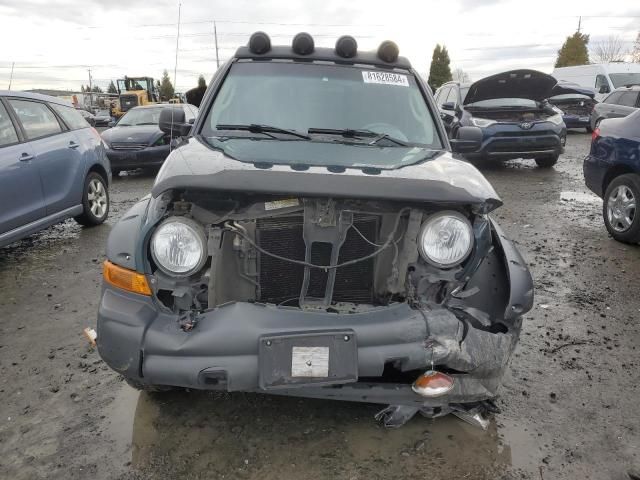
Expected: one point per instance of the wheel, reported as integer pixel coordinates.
(95, 201)
(547, 162)
(620, 206)
(144, 387)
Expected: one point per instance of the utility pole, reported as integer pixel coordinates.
(215, 36)
(175, 67)
(11, 76)
(90, 90)
(579, 23)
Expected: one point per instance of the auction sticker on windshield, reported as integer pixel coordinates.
(385, 78)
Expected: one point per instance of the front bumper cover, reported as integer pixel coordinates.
(147, 157)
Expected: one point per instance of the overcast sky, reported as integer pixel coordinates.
(53, 43)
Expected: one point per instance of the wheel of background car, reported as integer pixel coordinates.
(387, 128)
(95, 201)
(619, 208)
(547, 162)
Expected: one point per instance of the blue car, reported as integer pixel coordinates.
(53, 166)
(612, 171)
(512, 110)
(576, 106)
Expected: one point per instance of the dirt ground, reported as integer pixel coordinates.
(569, 403)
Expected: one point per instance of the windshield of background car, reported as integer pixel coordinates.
(302, 96)
(504, 102)
(141, 116)
(622, 79)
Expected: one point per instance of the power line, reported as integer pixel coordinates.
(245, 22)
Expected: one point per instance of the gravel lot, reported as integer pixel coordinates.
(569, 404)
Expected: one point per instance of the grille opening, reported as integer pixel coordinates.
(281, 281)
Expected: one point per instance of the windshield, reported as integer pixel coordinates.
(301, 97)
(141, 116)
(622, 79)
(504, 102)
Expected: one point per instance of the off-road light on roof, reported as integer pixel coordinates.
(388, 51)
(346, 46)
(303, 44)
(259, 43)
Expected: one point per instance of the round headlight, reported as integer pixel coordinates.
(178, 246)
(446, 239)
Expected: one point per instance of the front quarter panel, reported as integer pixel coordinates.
(123, 242)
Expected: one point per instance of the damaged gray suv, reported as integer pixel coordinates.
(313, 236)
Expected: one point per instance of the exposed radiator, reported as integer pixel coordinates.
(281, 281)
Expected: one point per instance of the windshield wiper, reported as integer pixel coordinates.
(355, 133)
(266, 129)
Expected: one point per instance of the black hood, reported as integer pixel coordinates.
(441, 180)
(528, 84)
(135, 134)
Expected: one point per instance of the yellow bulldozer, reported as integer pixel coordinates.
(133, 92)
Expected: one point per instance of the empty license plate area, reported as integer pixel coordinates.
(323, 358)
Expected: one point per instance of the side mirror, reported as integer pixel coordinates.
(111, 124)
(604, 89)
(468, 140)
(449, 106)
(192, 121)
(172, 122)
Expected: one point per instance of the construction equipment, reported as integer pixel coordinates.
(133, 92)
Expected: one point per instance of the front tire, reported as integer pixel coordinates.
(95, 201)
(619, 208)
(547, 162)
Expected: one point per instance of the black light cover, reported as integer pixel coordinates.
(259, 43)
(346, 46)
(388, 51)
(303, 44)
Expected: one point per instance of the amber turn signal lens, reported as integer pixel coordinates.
(125, 279)
(433, 384)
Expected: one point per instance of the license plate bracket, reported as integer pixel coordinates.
(308, 359)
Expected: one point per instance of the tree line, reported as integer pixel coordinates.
(574, 51)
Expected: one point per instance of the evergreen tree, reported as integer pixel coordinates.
(202, 83)
(574, 51)
(166, 87)
(440, 71)
(112, 88)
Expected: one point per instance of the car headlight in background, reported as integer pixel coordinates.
(482, 122)
(446, 239)
(555, 119)
(178, 246)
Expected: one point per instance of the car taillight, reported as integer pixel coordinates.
(595, 134)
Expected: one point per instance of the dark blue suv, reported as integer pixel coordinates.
(512, 110)
(53, 165)
(612, 171)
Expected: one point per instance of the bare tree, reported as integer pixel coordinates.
(609, 50)
(461, 76)
(635, 54)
